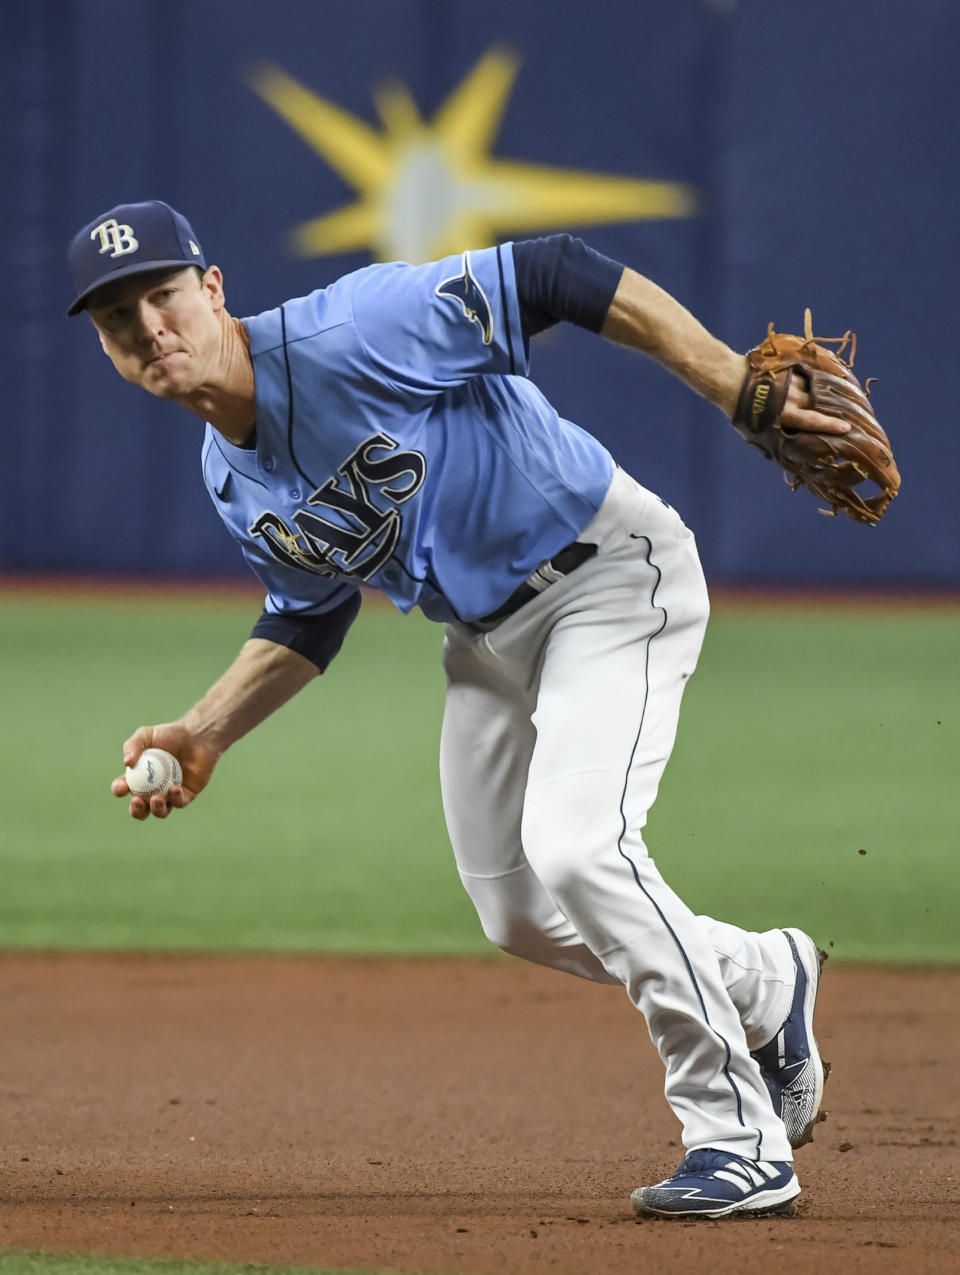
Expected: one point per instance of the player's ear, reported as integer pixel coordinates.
(100, 335)
(212, 283)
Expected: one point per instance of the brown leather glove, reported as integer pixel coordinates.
(830, 465)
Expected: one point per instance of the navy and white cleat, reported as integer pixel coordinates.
(790, 1063)
(712, 1184)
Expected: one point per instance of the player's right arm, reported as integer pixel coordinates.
(260, 680)
(299, 632)
(285, 651)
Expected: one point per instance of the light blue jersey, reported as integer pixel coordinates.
(399, 445)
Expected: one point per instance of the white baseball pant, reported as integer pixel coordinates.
(559, 722)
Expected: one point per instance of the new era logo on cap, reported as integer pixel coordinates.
(130, 239)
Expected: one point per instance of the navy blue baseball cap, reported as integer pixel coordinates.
(130, 239)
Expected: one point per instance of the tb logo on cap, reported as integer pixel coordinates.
(112, 235)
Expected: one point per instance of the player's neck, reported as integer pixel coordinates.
(228, 401)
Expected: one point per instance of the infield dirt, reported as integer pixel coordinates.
(461, 1117)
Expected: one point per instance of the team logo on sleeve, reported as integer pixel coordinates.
(465, 288)
(344, 531)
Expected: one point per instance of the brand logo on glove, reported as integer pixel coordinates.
(760, 396)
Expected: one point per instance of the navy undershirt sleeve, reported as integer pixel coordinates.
(560, 278)
(317, 638)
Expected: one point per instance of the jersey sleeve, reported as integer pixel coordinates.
(309, 613)
(426, 328)
(317, 638)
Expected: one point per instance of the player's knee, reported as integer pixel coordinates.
(561, 867)
(561, 844)
(515, 934)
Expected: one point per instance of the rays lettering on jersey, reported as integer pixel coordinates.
(364, 536)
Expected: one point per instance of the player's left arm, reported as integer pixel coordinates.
(642, 315)
(560, 279)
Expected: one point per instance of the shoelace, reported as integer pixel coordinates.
(699, 1163)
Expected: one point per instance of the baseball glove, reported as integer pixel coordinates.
(831, 465)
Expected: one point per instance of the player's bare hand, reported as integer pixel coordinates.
(798, 414)
(197, 760)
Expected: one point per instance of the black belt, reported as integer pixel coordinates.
(567, 560)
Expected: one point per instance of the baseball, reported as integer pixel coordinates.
(153, 772)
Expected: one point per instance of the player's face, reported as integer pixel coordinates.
(162, 330)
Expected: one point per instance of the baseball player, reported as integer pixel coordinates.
(382, 432)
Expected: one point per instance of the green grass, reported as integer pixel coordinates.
(33, 1263)
(322, 829)
(806, 736)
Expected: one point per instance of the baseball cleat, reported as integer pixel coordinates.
(790, 1063)
(712, 1184)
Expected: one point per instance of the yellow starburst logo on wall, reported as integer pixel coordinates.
(429, 189)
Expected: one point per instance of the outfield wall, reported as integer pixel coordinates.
(798, 157)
